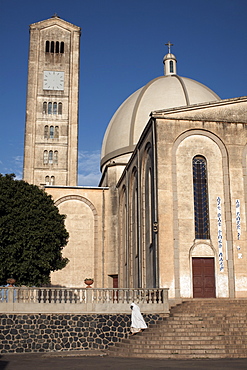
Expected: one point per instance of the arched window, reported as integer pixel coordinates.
(62, 47)
(51, 132)
(60, 106)
(50, 157)
(171, 66)
(46, 132)
(55, 159)
(200, 184)
(50, 108)
(57, 47)
(44, 107)
(52, 180)
(47, 180)
(47, 46)
(56, 136)
(45, 157)
(54, 108)
(52, 46)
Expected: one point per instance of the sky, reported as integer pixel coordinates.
(122, 48)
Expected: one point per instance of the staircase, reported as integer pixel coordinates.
(206, 328)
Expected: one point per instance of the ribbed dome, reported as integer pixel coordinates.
(129, 121)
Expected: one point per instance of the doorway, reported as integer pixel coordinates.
(203, 277)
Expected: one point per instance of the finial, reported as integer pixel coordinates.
(169, 44)
(55, 15)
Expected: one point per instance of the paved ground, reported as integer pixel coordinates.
(96, 360)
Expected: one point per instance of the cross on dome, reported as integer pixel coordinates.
(169, 44)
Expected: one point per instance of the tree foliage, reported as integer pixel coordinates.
(32, 233)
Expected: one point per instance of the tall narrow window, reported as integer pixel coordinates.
(55, 158)
(50, 108)
(52, 180)
(47, 46)
(51, 132)
(45, 157)
(56, 136)
(57, 47)
(54, 108)
(60, 106)
(44, 107)
(47, 180)
(171, 66)
(50, 157)
(46, 132)
(52, 46)
(200, 198)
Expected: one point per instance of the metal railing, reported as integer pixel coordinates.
(84, 300)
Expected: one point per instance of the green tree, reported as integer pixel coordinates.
(32, 233)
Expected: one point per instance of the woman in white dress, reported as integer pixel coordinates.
(137, 321)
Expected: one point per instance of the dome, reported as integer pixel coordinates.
(129, 121)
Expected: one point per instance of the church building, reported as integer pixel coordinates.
(170, 208)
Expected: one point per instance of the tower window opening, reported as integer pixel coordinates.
(44, 107)
(171, 66)
(60, 108)
(57, 47)
(54, 108)
(52, 46)
(50, 108)
(51, 132)
(56, 136)
(55, 158)
(47, 180)
(52, 180)
(46, 132)
(47, 46)
(45, 157)
(50, 157)
(200, 198)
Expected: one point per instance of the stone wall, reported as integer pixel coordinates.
(63, 332)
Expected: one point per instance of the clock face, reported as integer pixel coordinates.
(53, 80)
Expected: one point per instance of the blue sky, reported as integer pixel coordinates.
(122, 47)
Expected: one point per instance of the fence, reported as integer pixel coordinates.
(81, 300)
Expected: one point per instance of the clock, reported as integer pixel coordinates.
(53, 80)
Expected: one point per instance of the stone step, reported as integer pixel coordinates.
(180, 355)
(195, 329)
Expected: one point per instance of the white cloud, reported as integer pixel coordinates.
(88, 168)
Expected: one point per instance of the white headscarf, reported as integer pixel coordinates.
(137, 320)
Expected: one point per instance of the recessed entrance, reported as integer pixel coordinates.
(203, 277)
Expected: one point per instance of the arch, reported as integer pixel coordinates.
(51, 132)
(124, 245)
(55, 157)
(45, 157)
(84, 200)
(228, 216)
(200, 187)
(50, 158)
(60, 108)
(56, 136)
(54, 108)
(46, 129)
(134, 236)
(44, 107)
(148, 242)
(47, 46)
(50, 107)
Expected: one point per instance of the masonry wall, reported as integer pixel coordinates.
(63, 332)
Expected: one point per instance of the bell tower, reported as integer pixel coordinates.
(51, 132)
